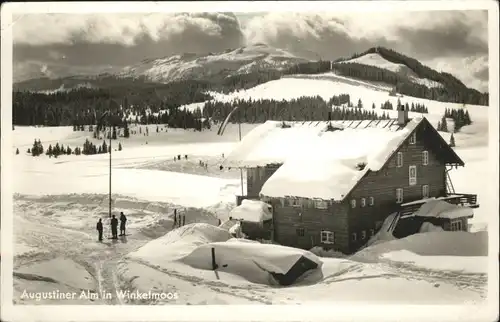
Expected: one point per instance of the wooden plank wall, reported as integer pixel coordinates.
(286, 221)
(382, 186)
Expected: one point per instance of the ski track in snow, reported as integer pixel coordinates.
(102, 259)
(82, 247)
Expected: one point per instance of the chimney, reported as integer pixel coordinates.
(402, 115)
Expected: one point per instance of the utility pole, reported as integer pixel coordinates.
(241, 170)
(110, 149)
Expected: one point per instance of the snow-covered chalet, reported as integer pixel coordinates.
(333, 183)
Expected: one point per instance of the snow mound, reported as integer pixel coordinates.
(180, 242)
(252, 210)
(427, 227)
(442, 209)
(385, 232)
(330, 253)
(445, 243)
(251, 260)
(58, 271)
(236, 231)
(462, 264)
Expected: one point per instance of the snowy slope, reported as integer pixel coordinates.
(194, 66)
(376, 60)
(60, 200)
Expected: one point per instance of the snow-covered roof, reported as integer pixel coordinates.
(269, 257)
(252, 211)
(442, 209)
(327, 167)
(272, 143)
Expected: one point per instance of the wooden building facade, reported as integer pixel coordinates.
(416, 169)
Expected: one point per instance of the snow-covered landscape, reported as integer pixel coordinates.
(263, 162)
(58, 201)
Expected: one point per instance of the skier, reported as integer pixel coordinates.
(99, 228)
(114, 226)
(123, 220)
(175, 218)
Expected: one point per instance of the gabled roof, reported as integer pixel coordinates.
(318, 162)
(271, 143)
(333, 162)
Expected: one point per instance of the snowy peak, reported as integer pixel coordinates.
(196, 66)
(376, 60)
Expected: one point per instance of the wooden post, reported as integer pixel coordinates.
(214, 264)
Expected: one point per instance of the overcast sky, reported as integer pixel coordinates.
(452, 41)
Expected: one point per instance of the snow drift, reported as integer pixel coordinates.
(444, 243)
(180, 242)
(258, 263)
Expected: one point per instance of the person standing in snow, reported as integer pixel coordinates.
(99, 229)
(114, 227)
(123, 220)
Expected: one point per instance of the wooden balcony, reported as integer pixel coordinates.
(460, 199)
(464, 199)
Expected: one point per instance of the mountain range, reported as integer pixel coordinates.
(261, 63)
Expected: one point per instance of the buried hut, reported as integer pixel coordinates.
(333, 183)
(254, 217)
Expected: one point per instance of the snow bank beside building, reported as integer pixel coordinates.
(427, 227)
(385, 232)
(254, 211)
(462, 264)
(444, 243)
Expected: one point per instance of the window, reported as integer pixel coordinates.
(294, 202)
(399, 195)
(354, 237)
(372, 232)
(412, 175)
(425, 157)
(300, 232)
(320, 204)
(425, 191)
(327, 237)
(413, 138)
(353, 203)
(371, 201)
(399, 161)
(363, 202)
(456, 225)
(363, 234)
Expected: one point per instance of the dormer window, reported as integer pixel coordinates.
(413, 138)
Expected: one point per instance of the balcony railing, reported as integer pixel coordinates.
(464, 199)
(460, 199)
